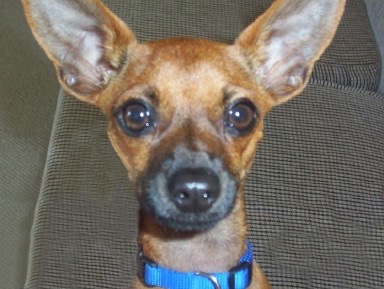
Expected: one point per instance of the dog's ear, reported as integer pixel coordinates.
(282, 45)
(87, 43)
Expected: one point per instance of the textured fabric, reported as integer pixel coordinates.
(315, 198)
(315, 195)
(28, 96)
(85, 225)
(352, 59)
(376, 16)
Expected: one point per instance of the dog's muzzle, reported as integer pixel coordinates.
(190, 191)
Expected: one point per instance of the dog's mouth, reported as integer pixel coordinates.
(191, 191)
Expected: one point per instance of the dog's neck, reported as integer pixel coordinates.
(216, 250)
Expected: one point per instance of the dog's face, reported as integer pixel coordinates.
(185, 115)
(186, 127)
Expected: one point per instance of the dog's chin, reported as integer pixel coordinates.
(187, 222)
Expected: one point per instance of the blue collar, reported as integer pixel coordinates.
(239, 277)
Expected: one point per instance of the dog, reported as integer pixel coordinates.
(185, 117)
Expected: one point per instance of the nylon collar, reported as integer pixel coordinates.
(239, 277)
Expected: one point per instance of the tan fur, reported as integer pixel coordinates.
(191, 79)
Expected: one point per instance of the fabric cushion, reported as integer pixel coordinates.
(353, 59)
(314, 198)
(28, 96)
(376, 15)
(315, 193)
(85, 225)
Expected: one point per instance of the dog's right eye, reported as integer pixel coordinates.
(240, 118)
(136, 118)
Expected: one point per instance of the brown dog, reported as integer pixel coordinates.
(185, 116)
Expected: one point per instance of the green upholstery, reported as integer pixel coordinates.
(28, 96)
(376, 15)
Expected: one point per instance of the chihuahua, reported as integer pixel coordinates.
(185, 116)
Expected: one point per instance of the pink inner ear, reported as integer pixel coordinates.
(82, 67)
(91, 48)
(71, 34)
(282, 73)
(75, 35)
(293, 36)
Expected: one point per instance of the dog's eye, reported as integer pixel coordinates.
(240, 118)
(136, 118)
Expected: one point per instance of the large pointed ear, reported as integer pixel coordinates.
(87, 43)
(282, 45)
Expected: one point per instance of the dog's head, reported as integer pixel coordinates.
(185, 115)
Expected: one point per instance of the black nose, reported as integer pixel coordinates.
(194, 190)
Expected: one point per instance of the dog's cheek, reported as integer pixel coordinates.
(241, 152)
(133, 152)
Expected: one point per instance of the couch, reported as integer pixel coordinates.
(315, 194)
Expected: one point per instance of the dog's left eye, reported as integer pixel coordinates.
(136, 118)
(240, 118)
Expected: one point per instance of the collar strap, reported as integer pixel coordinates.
(239, 277)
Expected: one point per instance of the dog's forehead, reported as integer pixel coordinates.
(197, 81)
(194, 68)
(187, 50)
